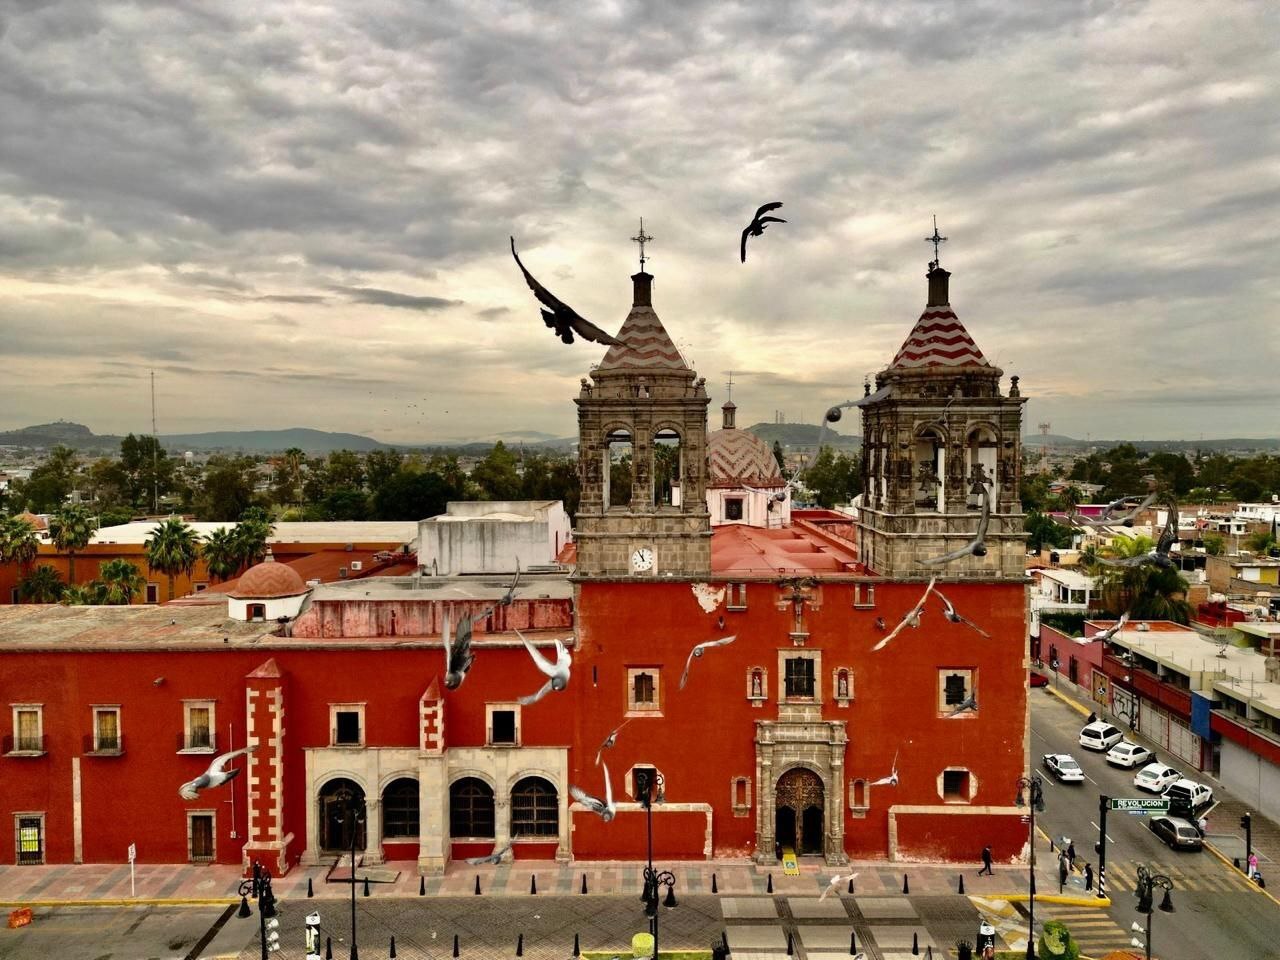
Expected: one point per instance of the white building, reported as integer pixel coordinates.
(492, 536)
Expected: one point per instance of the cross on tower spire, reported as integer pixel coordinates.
(729, 384)
(642, 238)
(936, 240)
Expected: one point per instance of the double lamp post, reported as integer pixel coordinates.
(653, 879)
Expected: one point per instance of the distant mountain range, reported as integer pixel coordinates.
(1059, 442)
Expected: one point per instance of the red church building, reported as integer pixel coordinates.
(775, 740)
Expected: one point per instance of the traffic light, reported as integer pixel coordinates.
(1245, 822)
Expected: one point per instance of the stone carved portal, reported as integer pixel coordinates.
(800, 802)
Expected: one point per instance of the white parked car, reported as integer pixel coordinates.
(1099, 735)
(1126, 753)
(1156, 778)
(1064, 767)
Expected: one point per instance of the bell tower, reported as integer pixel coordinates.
(642, 457)
(936, 431)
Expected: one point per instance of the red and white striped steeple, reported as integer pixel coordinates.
(938, 340)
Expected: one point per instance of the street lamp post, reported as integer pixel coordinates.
(1147, 882)
(259, 887)
(1035, 790)
(652, 878)
(353, 812)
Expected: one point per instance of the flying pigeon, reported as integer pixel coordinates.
(949, 611)
(495, 857)
(758, 224)
(457, 652)
(610, 740)
(216, 775)
(557, 673)
(604, 807)
(1108, 520)
(1106, 634)
(912, 619)
(698, 651)
(835, 882)
(1160, 555)
(560, 317)
(776, 496)
(968, 703)
(977, 546)
(892, 779)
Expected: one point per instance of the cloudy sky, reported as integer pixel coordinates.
(297, 213)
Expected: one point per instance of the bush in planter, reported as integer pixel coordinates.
(642, 945)
(1056, 942)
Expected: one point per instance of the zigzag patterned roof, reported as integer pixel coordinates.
(938, 339)
(645, 345)
(736, 457)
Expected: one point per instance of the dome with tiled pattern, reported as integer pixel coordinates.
(268, 580)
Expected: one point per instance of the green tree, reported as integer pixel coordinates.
(1056, 942)
(497, 474)
(81, 594)
(172, 548)
(833, 478)
(42, 585)
(1215, 544)
(1172, 470)
(71, 528)
(51, 483)
(288, 486)
(121, 581)
(250, 538)
(380, 466)
(19, 542)
(228, 488)
(345, 470)
(148, 468)
(1043, 531)
(221, 553)
(1262, 543)
(1148, 592)
(108, 485)
(412, 495)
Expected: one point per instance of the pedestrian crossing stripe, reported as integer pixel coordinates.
(1095, 932)
(1122, 878)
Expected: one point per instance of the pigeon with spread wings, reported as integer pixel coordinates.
(610, 740)
(949, 611)
(495, 857)
(698, 651)
(216, 775)
(912, 619)
(976, 547)
(1158, 557)
(758, 224)
(1107, 519)
(560, 317)
(557, 673)
(605, 807)
(968, 703)
(835, 882)
(892, 779)
(457, 650)
(1106, 634)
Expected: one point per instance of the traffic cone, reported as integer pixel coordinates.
(769, 886)
(520, 945)
(477, 884)
(584, 883)
(961, 890)
(310, 891)
(906, 887)
(715, 890)
(366, 886)
(422, 886)
(533, 883)
(455, 944)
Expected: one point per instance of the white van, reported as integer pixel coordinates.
(1099, 735)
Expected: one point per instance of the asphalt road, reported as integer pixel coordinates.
(1217, 913)
(113, 933)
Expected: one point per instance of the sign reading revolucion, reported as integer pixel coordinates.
(1146, 804)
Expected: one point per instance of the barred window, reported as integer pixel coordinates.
(799, 677)
(400, 809)
(470, 808)
(535, 809)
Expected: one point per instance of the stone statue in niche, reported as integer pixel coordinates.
(757, 683)
(842, 685)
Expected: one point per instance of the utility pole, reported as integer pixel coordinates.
(155, 451)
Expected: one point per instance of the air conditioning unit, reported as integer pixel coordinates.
(1143, 627)
(357, 564)
(342, 573)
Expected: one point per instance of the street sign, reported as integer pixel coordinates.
(1144, 804)
(133, 852)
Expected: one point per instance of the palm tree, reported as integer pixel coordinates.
(81, 594)
(1260, 543)
(221, 553)
(1148, 592)
(19, 542)
(71, 528)
(121, 581)
(42, 585)
(172, 548)
(251, 536)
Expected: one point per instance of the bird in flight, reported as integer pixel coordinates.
(560, 317)
(892, 779)
(1107, 519)
(457, 650)
(1106, 634)
(610, 740)
(968, 703)
(216, 775)
(758, 224)
(835, 882)
(977, 546)
(557, 673)
(698, 651)
(495, 857)
(912, 619)
(1160, 555)
(604, 807)
(949, 611)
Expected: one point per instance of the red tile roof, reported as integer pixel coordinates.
(938, 339)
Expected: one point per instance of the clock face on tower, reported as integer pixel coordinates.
(642, 560)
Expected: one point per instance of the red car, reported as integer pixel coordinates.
(1038, 679)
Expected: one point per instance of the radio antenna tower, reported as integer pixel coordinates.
(1044, 447)
(155, 447)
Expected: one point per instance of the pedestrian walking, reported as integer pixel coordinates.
(1253, 865)
(1203, 824)
(1088, 876)
(1093, 718)
(1071, 854)
(1062, 871)
(986, 862)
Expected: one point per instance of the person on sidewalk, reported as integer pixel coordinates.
(1071, 854)
(986, 862)
(1253, 865)
(1203, 824)
(1093, 718)
(1062, 871)
(1088, 876)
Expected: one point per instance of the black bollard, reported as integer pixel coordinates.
(928, 952)
(915, 945)
(533, 884)
(310, 892)
(906, 887)
(769, 886)
(851, 884)
(790, 945)
(392, 954)
(715, 890)
(961, 883)
(328, 948)
(584, 883)
(577, 951)
(455, 944)
(366, 886)
(477, 884)
(853, 944)
(422, 886)
(520, 945)
(1033, 884)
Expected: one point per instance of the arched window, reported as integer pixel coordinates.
(618, 455)
(931, 470)
(400, 809)
(470, 808)
(535, 809)
(981, 453)
(667, 457)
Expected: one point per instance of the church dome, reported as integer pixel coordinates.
(36, 523)
(268, 580)
(738, 457)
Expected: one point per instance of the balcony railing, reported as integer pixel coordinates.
(104, 746)
(24, 744)
(197, 740)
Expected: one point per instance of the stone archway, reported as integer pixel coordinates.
(800, 767)
(800, 802)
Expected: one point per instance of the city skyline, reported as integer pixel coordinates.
(298, 216)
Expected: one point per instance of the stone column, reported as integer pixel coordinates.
(264, 722)
(373, 828)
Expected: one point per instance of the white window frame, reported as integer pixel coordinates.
(337, 708)
(864, 596)
(737, 597)
(187, 707)
(15, 709)
(743, 808)
(152, 593)
(191, 815)
(970, 675)
(629, 780)
(859, 797)
(793, 654)
(636, 708)
(960, 798)
(489, 710)
(100, 709)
